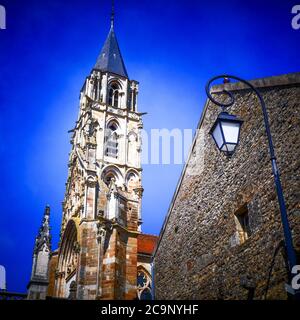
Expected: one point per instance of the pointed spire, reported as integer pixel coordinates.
(110, 58)
(44, 232)
(39, 280)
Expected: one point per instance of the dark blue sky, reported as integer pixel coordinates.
(171, 47)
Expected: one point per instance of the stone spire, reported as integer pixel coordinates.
(110, 58)
(38, 285)
(44, 237)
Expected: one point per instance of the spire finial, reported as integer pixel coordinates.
(47, 210)
(112, 18)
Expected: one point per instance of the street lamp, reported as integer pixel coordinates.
(225, 132)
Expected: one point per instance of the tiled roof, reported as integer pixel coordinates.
(146, 243)
(110, 58)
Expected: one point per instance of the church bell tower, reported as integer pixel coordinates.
(97, 255)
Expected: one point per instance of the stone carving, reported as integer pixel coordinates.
(139, 192)
(73, 290)
(101, 231)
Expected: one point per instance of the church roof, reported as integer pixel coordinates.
(146, 243)
(110, 58)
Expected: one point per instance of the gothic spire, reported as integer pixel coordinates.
(110, 58)
(39, 280)
(44, 236)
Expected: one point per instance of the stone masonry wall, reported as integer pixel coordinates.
(120, 266)
(88, 262)
(52, 269)
(199, 255)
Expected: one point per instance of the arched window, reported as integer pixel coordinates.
(111, 141)
(108, 178)
(132, 181)
(143, 285)
(68, 260)
(112, 172)
(146, 295)
(113, 95)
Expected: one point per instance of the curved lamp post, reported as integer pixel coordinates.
(225, 132)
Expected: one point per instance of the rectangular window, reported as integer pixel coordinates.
(242, 224)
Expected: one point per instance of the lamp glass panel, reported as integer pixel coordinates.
(224, 148)
(231, 131)
(230, 147)
(217, 134)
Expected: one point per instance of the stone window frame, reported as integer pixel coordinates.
(112, 139)
(112, 171)
(131, 173)
(242, 223)
(114, 94)
(147, 285)
(68, 257)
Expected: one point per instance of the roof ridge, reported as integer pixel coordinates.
(148, 234)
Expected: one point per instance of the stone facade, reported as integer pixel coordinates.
(201, 254)
(97, 256)
(101, 210)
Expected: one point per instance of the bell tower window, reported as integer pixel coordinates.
(111, 141)
(108, 178)
(134, 102)
(113, 95)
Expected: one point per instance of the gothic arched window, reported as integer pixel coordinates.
(112, 173)
(111, 141)
(132, 181)
(143, 285)
(68, 259)
(146, 295)
(108, 178)
(113, 95)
